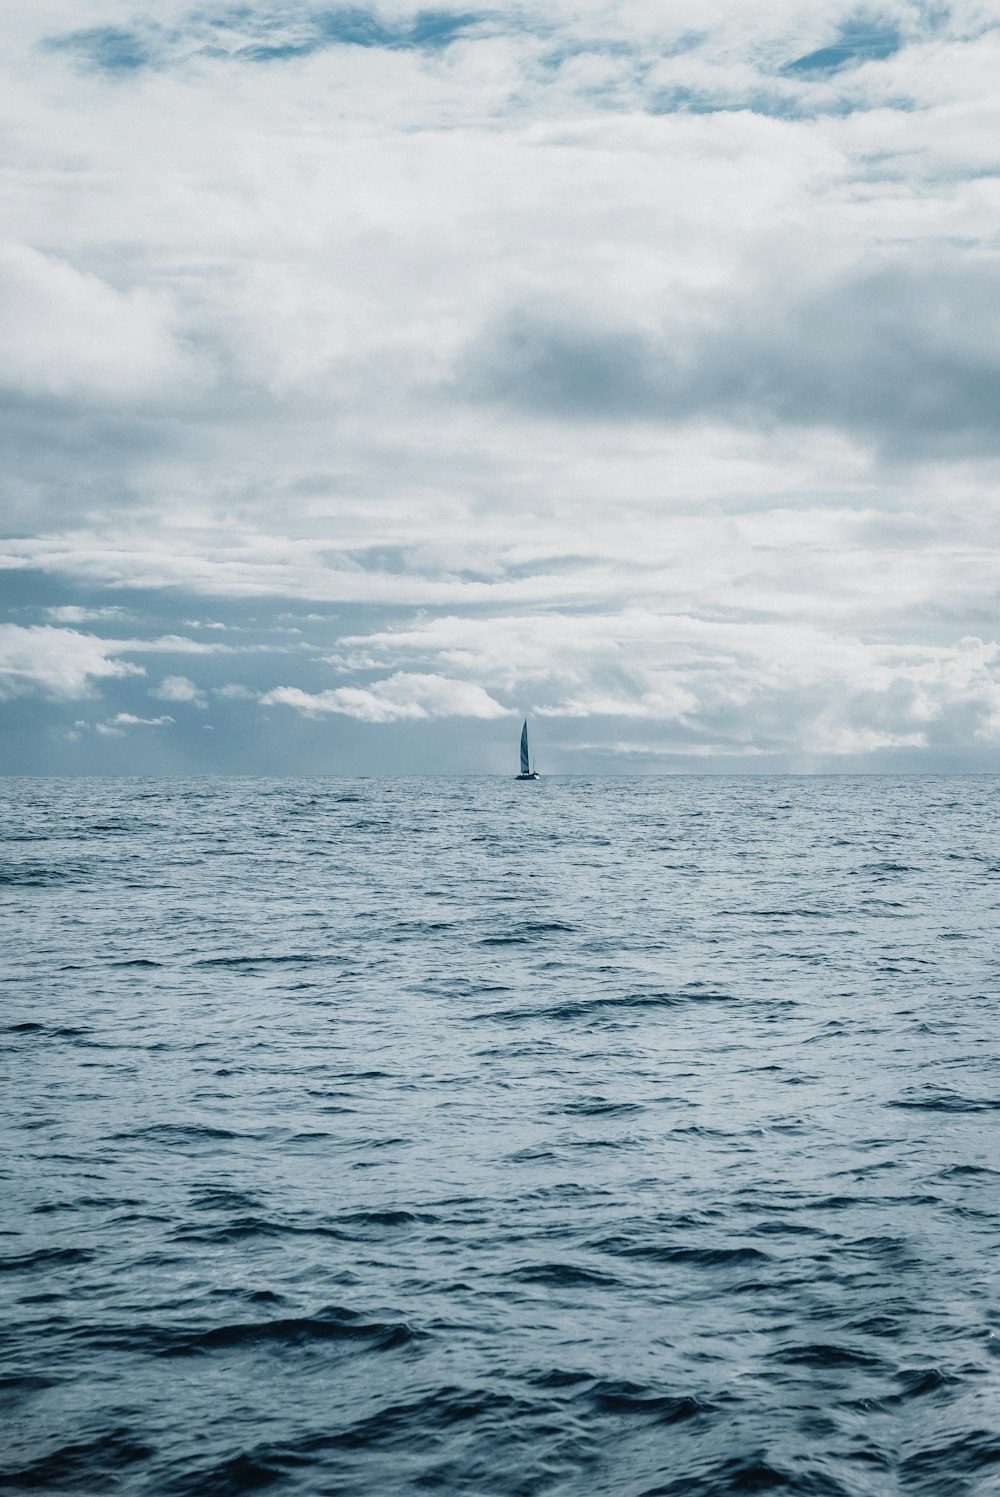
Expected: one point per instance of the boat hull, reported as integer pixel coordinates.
(532, 776)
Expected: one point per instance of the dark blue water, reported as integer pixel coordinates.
(613, 1136)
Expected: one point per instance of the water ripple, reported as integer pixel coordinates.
(625, 1138)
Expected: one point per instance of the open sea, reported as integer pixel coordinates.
(629, 1137)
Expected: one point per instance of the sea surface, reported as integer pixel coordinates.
(611, 1136)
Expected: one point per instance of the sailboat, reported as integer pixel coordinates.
(527, 773)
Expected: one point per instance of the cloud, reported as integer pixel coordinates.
(709, 687)
(73, 613)
(402, 697)
(60, 663)
(116, 726)
(67, 333)
(179, 689)
(173, 644)
(66, 663)
(900, 355)
(364, 354)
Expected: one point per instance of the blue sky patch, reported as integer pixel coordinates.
(108, 49)
(430, 30)
(857, 42)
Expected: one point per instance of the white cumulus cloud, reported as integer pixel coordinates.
(56, 662)
(179, 689)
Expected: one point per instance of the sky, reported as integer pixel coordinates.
(371, 378)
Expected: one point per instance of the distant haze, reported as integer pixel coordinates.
(372, 378)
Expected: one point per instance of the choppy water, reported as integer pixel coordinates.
(582, 1137)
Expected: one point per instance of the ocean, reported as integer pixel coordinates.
(633, 1137)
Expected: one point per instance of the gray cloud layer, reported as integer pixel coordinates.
(906, 356)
